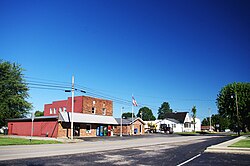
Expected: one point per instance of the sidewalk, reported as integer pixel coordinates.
(64, 140)
(223, 147)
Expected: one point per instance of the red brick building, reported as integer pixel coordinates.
(92, 117)
(127, 125)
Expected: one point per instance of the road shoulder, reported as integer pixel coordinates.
(224, 147)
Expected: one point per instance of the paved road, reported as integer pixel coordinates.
(30, 151)
(173, 152)
(221, 159)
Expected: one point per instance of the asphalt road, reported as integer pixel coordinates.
(174, 153)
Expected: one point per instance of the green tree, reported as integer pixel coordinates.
(127, 115)
(13, 92)
(205, 122)
(194, 115)
(165, 108)
(217, 121)
(146, 114)
(226, 103)
(39, 113)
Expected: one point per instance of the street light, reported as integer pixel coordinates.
(237, 112)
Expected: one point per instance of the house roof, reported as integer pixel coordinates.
(128, 121)
(173, 120)
(179, 116)
(39, 118)
(87, 118)
(124, 121)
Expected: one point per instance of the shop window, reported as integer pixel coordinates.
(88, 128)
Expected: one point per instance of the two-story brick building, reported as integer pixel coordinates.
(91, 117)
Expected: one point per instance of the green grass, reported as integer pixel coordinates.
(187, 133)
(245, 143)
(21, 141)
(241, 133)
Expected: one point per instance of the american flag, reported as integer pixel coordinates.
(134, 101)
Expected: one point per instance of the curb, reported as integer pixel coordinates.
(223, 147)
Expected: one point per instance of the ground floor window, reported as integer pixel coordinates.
(187, 125)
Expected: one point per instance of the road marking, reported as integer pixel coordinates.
(189, 160)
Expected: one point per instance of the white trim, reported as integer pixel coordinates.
(87, 118)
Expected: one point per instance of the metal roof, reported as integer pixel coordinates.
(35, 118)
(128, 121)
(87, 118)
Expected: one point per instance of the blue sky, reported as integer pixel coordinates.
(182, 52)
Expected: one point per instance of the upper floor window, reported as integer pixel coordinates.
(50, 111)
(93, 110)
(64, 109)
(104, 111)
(60, 109)
(54, 110)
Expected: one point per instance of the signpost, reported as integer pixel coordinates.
(32, 125)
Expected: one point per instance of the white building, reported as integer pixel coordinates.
(181, 122)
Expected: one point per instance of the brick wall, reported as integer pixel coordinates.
(82, 104)
(125, 130)
(98, 104)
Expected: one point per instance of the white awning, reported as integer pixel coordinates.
(87, 118)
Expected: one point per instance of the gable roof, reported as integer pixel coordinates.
(38, 118)
(179, 116)
(128, 121)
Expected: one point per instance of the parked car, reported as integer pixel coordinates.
(164, 128)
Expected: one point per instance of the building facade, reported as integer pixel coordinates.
(129, 127)
(92, 117)
(178, 121)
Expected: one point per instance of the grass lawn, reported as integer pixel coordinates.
(245, 143)
(241, 133)
(21, 141)
(187, 133)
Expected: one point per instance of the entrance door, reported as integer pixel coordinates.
(76, 129)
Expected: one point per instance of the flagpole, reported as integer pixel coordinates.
(132, 119)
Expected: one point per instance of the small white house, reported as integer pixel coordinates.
(181, 122)
(197, 124)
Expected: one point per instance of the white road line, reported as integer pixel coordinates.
(189, 160)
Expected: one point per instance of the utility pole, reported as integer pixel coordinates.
(210, 129)
(121, 122)
(72, 109)
(237, 111)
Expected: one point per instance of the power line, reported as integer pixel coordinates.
(38, 83)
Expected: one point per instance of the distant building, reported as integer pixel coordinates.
(92, 117)
(207, 128)
(179, 122)
(128, 126)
